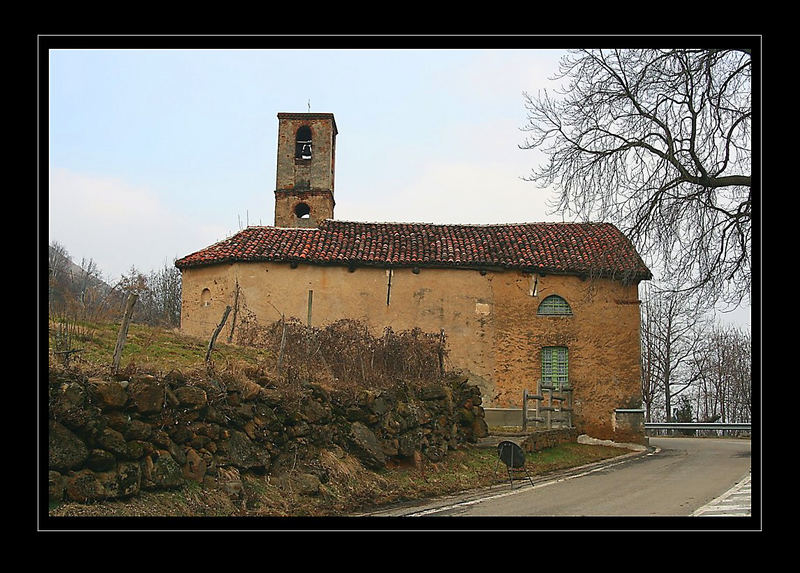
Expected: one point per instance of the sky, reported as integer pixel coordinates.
(154, 154)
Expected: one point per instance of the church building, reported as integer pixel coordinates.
(526, 307)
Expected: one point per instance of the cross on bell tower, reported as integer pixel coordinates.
(305, 173)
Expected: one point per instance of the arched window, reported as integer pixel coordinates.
(302, 210)
(554, 305)
(302, 144)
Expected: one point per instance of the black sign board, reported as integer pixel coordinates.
(514, 458)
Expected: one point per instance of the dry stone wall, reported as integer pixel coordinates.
(543, 439)
(113, 438)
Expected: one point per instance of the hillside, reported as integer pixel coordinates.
(314, 468)
(60, 261)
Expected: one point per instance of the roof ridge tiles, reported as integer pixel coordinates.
(431, 224)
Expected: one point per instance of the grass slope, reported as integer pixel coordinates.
(350, 488)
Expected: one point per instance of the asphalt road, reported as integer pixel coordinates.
(681, 477)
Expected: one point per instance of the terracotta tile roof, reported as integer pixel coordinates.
(597, 249)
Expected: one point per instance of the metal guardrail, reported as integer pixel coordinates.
(697, 426)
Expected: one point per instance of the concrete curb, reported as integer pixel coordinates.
(584, 439)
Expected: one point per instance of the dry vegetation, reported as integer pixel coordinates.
(284, 354)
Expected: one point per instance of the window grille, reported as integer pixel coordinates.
(554, 305)
(555, 367)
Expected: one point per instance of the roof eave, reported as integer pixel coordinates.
(631, 275)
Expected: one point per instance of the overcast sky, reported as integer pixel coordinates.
(155, 154)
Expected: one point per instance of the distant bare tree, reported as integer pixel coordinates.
(134, 281)
(57, 260)
(76, 290)
(57, 269)
(165, 294)
(670, 334)
(659, 143)
(159, 295)
(724, 364)
(92, 293)
(79, 292)
(88, 275)
(651, 394)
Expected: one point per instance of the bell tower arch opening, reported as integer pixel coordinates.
(302, 144)
(302, 210)
(305, 171)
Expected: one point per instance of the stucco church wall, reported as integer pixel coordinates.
(602, 337)
(431, 300)
(490, 319)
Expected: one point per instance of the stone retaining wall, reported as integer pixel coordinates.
(114, 438)
(542, 439)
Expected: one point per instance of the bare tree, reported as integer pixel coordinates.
(165, 294)
(91, 294)
(57, 260)
(57, 269)
(159, 295)
(650, 378)
(724, 363)
(670, 333)
(80, 291)
(659, 143)
(77, 290)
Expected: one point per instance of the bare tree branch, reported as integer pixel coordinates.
(659, 143)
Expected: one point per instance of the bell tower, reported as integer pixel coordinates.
(304, 179)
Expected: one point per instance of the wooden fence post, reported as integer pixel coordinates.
(123, 331)
(216, 333)
(440, 351)
(283, 342)
(235, 311)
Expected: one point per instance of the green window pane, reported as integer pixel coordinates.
(555, 367)
(554, 305)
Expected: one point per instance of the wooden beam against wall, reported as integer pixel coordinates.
(216, 333)
(123, 331)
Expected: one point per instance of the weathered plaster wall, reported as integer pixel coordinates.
(319, 203)
(320, 170)
(309, 181)
(431, 300)
(602, 337)
(493, 331)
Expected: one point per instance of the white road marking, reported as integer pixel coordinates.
(736, 502)
(513, 492)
